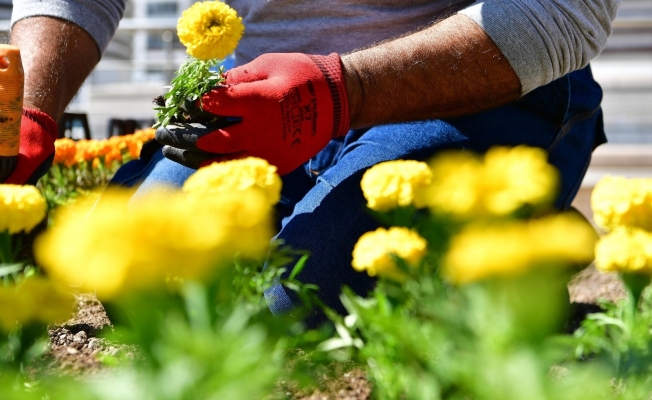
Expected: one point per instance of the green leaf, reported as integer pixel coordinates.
(193, 79)
(8, 269)
(298, 267)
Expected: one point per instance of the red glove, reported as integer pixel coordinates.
(290, 106)
(37, 135)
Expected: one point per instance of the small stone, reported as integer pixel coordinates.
(558, 372)
(71, 350)
(94, 344)
(80, 337)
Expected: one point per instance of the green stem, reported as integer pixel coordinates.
(6, 255)
(635, 284)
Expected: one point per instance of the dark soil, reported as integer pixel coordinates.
(76, 349)
(350, 385)
(589, 286)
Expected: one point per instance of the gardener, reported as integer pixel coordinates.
(502, 72)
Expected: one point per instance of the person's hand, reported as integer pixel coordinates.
(38, 131)
(283, 108)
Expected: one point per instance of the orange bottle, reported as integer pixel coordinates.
(11, 106)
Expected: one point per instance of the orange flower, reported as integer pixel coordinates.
(134, 146)
(114, 155)
(144, 135)
(86, 151)
(64, 152)
(70, 152)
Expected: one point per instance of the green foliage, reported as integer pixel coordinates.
(61, 184)
(619, 337)
(421, 338)
(194, 78)
(213, 338)
(499, 338)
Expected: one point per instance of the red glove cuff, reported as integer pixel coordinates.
(46, 122)
(331, 67)
(38, 131)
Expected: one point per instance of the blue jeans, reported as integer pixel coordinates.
(322, 209)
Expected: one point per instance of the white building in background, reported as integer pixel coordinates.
(5, 9)
(137, 65)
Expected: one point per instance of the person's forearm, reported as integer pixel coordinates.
(57, 57)
(449, 69)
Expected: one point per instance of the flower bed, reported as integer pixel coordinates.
(471, 300)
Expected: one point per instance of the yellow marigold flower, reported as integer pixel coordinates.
(64, 152)
(618, 202)
(12, 310)
(373, 251)
(236, 175)
(391, 184)
(625, 250)
(514, 177)
(21, 208)
(210, 30)
(51, 301)
(124, 245)
(512, 248)
(454, 186)
(498, 184)
(34, 300)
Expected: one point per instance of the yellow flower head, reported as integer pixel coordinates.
(235, 176)
(453, 189)
(210, 30)
(509, 249)
(51, 301)
(498, 184)
(625, 250)
(514, 177)
(21, 208)
(619, 202)
(373, 251)
(391, 184)
(34, 300)
(124, 245)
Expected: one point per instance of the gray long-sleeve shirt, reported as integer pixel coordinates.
(542, 39)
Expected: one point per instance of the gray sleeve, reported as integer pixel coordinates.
(545, 39)
(99, 18)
